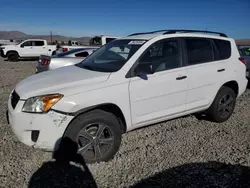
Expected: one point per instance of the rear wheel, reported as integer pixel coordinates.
(97, 134)
(223, 105)
(12, 56)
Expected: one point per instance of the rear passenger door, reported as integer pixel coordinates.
(206, 70)
(38, 48)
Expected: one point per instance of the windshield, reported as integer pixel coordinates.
(112, 56)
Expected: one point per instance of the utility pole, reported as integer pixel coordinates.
(51, 36)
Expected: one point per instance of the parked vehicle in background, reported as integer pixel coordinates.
(245, 54)
(8, 42)
(96, 41)
(63, 59)
(30, 48)
(132, 82)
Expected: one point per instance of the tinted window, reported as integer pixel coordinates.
(109, 39)
(28, 43)
(82, 54)
(223, 49)
(199, 51)
(163, 55)
(37, 43)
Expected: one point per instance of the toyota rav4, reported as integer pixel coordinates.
(128, 83)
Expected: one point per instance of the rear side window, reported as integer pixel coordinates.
(37, 43)
(199, 50)
(223, 49)
(82, 54)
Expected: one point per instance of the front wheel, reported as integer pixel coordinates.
(223, 105)
(12, 56)
(97, 134)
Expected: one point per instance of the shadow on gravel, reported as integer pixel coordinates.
(68, 170)
(200, 175)
(28, 59)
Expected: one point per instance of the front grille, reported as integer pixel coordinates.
(1, 52)
(14, 99)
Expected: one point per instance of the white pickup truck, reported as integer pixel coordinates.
(33, 48)
(30, 48)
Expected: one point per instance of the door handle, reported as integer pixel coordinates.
(49, 49)
(181, 77)
(220, 70)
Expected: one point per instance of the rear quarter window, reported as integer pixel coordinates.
(223, 49)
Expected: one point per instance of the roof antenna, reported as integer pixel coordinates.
(205, 31)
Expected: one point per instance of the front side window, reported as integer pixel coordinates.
(112, 56)
(162, 55)
(199, 50)
(27, 43)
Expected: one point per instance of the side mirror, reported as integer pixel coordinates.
(21, 46)
(144, 68)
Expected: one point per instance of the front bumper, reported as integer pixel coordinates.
(48, 128)
(2, 53)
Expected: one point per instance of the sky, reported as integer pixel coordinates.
(119, 18)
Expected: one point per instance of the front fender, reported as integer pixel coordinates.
(116, 94)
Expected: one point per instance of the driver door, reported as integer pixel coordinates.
(161, 95)
(26, 49)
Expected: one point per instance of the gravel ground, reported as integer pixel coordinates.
(184, 152)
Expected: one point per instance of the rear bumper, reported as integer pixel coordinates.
(41, 68)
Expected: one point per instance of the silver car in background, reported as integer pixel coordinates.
(245, 53)
(63, 59)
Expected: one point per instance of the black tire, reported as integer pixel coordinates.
(12, 56)
(220, 111)
(89, 124)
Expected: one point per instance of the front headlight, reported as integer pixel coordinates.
(41, 104)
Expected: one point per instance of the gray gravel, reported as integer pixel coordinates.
(184, 152)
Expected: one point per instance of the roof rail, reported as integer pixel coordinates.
(172, 31)
(194, 31)
(151, 32)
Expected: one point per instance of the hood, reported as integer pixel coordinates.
(59, 80)
(9, 46)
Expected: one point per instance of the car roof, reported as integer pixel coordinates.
(176, 33)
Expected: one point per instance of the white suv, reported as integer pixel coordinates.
(128, 83)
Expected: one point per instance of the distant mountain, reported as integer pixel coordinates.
(15, 35)
(243, 42)
(12, 35)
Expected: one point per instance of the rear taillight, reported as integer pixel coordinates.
(65, 49)
(243, 60)
(45, 62)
